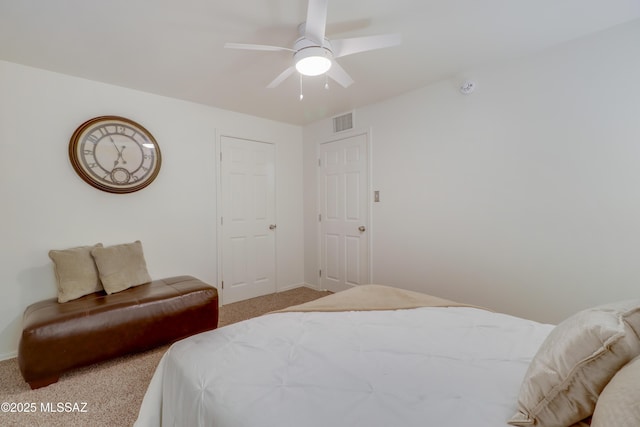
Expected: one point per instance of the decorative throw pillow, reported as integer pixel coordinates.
(76, 272)
(575, 363)
(121, 266)
(619, 402)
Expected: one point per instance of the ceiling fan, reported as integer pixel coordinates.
(314, 54)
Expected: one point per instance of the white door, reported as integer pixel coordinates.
(344, 213)
(247, 175)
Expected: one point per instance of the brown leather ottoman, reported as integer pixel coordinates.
(58, 337)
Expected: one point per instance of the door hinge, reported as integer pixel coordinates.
(221, 156)
(319, 217)
(221, 220)
(319, 162)
(319, 273)
(222, 284)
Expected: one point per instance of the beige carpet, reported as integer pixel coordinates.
(110, 393)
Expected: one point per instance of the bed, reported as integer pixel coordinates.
(380, 356)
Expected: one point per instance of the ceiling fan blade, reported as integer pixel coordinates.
(256, 47)
(337, 73)
(346, 26)
(316, 21)
(282, 77)
(344, 47)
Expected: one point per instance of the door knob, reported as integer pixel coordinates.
(362, 228)
(272, 227)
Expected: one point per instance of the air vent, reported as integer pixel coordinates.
(343, 122)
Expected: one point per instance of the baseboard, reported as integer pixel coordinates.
(314, 287)
(7, 356)
(298, 285)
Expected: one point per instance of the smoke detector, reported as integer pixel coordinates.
(467, 87)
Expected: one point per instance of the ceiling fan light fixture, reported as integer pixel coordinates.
(313, 61)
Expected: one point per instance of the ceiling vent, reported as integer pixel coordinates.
(343, 123)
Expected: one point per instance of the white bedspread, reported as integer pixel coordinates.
(438, 367)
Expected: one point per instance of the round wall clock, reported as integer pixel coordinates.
(115, 154)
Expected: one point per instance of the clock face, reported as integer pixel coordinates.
(115, 154)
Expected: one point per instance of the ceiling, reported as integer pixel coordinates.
(175, 48)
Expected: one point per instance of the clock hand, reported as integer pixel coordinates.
(115, 163)
(124, 162)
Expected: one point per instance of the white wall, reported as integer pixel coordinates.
(523, 197)
(45, 205)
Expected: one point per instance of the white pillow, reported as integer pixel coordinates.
(576, 362)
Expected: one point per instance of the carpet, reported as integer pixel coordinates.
(110, 393)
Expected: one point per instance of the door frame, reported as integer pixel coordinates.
(338, 137)
(219, 232)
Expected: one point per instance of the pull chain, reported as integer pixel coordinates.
(301, 95)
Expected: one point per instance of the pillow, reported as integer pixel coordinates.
(575, 363)
(619, 402)
(76, 273)
(121, 266)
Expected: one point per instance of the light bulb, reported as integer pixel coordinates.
(313, 61)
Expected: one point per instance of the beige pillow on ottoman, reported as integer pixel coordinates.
(619, 402)
(575, 363)
(76, 272)
(121, 266)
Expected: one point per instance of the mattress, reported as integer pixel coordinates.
(445, 366)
